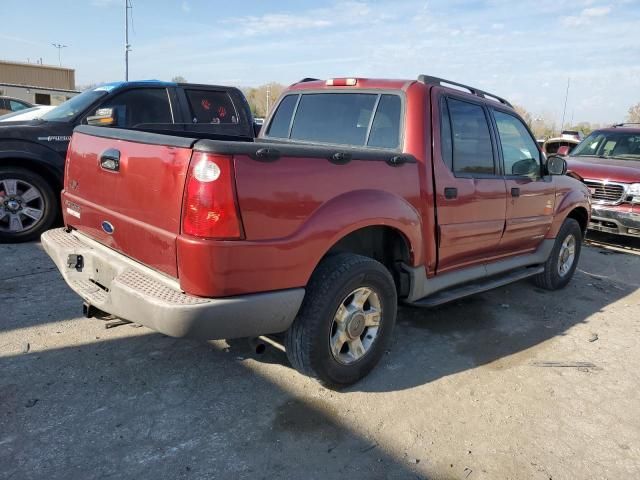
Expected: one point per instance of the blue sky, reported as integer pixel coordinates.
(522, 50)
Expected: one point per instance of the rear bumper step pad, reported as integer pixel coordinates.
(118, 285)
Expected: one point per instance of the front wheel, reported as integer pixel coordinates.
(346, 320)
(28, 205)
(562, 263)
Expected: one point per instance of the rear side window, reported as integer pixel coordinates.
(282, 119)
(385, 130)
(209, 106)
(472, 149)
(356, 119)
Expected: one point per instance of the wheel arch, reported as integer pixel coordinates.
(581, 215)
(47, 172)
(372, 223)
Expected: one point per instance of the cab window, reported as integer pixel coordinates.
(140, 106)
(471, 140)
(519, 151)
(209, 106)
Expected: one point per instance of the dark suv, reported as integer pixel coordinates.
(32, 153)
(608, 162)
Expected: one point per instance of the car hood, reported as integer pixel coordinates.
(614, 170)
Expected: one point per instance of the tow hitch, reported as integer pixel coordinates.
(75, 262)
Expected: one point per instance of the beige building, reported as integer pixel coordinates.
(35, 83)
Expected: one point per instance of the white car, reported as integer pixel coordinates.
(26, 114)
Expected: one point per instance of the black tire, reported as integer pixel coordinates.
(307, 342)
(49, 206)
(551, 279)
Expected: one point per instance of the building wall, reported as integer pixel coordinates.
(37, 75)
(45, 96)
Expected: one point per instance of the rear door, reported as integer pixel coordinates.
(531, 197)
(470, 190)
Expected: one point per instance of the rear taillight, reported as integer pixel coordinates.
(210, 208)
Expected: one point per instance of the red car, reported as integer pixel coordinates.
(358, 193)
(608, 162)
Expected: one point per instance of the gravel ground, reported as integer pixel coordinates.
(516, 383)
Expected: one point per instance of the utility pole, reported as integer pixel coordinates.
(59, 46)
(268, 98)
(127, 47)
(565, 104)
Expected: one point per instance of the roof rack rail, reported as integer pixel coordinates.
(624, 124)
(308, 79)
(429, 80)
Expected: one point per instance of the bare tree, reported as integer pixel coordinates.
(179, 79)
(634, 113)
(526, 116)
(258, 97)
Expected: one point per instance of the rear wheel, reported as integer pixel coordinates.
(562, 263)
(27, 205)
(346, 320)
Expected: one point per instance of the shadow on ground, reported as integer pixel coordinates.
(155, 407)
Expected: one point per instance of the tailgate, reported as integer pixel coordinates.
(132, 205)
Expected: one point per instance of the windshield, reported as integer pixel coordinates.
(69, 109)
(611, 144)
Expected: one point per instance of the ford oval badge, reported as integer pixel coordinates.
(107, 227)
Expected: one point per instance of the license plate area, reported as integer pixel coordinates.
(102, 274)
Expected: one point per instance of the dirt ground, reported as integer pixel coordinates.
(516, 383)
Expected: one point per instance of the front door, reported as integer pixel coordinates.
(470, 190)
(530, 196)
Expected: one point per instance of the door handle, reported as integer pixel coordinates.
(110, 160)
(515, 192)
(450, 193)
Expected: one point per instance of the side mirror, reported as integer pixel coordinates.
(563, 151)
(556, 165)
(104, 117)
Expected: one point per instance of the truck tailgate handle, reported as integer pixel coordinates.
(110, 160)
(450, 193)
(340, 158)
(267, 154)
(397, 160)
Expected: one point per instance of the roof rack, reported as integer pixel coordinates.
(429, 80)
(624, 124)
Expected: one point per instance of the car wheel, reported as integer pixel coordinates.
(28, 205)
(562, 263)
(346, 320)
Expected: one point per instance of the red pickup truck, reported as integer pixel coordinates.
(358, 193)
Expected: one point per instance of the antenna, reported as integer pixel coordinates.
(565, 104)
(127, 46)
(59, 46)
